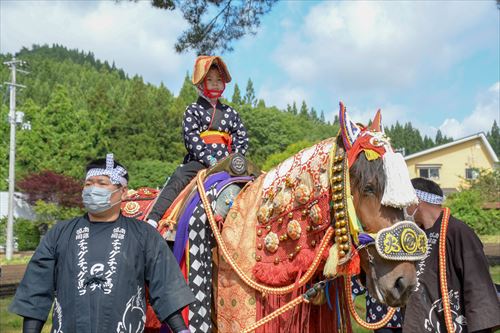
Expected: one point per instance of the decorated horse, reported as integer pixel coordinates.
(275, 252)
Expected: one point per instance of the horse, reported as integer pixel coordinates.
(288, 241)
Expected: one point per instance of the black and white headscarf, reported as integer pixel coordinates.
(116, 175)
(429, 197)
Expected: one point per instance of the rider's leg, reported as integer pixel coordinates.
(181, 177)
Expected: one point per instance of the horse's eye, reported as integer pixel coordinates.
(369, 189)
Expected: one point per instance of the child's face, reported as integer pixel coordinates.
(214, 80)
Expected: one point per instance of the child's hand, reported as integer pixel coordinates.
(212, 160)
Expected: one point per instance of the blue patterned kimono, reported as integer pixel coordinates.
(202, 116)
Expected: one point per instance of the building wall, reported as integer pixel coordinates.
(21, 208)
(453, 161)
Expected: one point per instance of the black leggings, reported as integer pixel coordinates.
(181, 177)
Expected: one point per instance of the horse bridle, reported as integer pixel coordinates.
(403, 241)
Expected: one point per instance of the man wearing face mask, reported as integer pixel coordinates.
(95, 268)
(472, 295)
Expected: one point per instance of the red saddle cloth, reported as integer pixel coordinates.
(139, 202)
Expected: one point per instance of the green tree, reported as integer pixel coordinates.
(236, 95)
(494, 137)
(214, 24)
(441, 139)
(250, 98)
(336, 120)
(304, 111)
(322, 117)
(294, 108)
(314, 114)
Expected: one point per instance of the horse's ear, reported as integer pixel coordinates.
(348, 129)
(376, 125)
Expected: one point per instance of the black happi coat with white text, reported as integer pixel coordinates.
(96, 273)
(472, 295)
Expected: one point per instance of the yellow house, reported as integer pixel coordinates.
(451, 163)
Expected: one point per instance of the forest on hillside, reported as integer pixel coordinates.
(81, 108)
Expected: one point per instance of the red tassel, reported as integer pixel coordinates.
(285, 272)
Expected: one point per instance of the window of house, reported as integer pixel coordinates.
(471, 173)
(429, 172)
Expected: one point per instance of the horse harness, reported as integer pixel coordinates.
(403, 241)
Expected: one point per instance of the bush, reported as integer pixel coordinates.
(466, 206)
(27, 234)
(3, 231)
(48, 214)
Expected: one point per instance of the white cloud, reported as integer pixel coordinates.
(379, 46)
(391, 113)
(282, 96)
(139, 38)
(481, 119)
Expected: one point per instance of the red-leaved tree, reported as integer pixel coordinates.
(51, 187)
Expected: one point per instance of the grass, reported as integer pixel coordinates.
(495, 274)
(17, 258)
(494, 239)
(12, 323)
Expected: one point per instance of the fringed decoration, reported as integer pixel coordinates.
(306, 317)
(398, 191)
(330, 269)
(286, 271)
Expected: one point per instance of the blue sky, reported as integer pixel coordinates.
(435, 64)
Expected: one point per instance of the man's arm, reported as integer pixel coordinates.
(35, 294)
(168, 291)
(31, 325)
(482, 309)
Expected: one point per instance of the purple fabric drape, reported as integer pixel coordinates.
(181, 235)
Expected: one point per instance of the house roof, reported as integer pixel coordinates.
(480, 135)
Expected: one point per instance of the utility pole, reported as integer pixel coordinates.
(14, 118)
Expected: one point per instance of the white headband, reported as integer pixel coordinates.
(429, 197)
(116, 175)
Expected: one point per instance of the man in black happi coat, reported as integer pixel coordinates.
(472, 295)
(95, 268)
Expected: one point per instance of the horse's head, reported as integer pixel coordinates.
(380, 188)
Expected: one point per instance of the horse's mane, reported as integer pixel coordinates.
(366, 173)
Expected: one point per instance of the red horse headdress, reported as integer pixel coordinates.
(373, 142)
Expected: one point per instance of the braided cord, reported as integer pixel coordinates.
(371, 326)
(442, 271)
(287, 307)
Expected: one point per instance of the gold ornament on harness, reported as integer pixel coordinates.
(293, 229)
(132, 207)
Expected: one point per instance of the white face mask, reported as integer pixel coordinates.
(97, 199)
(409, 217)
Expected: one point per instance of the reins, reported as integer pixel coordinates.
(442, 271)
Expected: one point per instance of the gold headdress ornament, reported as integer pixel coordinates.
(203, 64)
